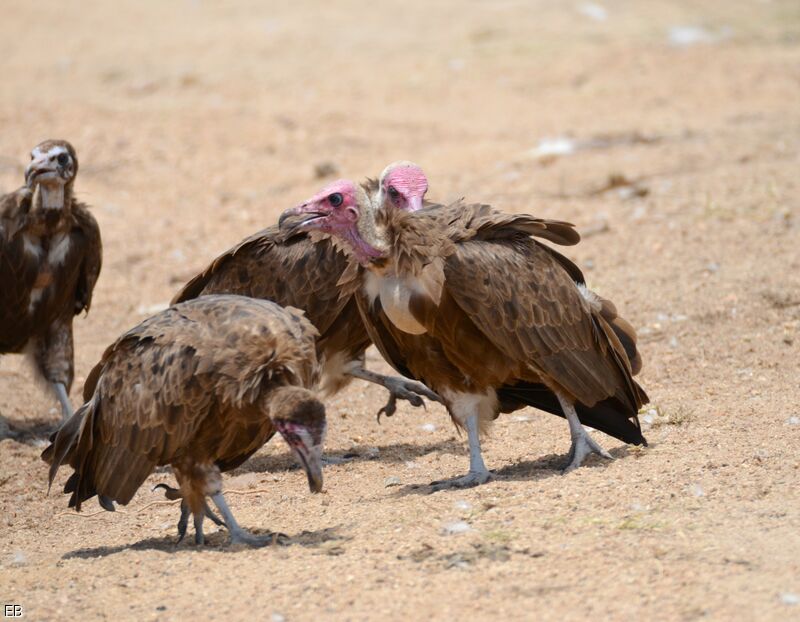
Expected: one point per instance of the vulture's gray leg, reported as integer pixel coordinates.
(214, 518)
(174, 493)
(53, 355)
(183, 521)
(398, 387)
(199, 536)
(478, 473)
(582, 443)
(66, 405)
(240, 535)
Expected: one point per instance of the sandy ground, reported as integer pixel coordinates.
(196, 123)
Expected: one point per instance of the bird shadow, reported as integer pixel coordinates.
(392, 453)
(28, 431)
(215, 543)
(539, 469)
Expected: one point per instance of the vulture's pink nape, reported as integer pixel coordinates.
(402, 185)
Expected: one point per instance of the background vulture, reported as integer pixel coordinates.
(50, 256)
(200, 386)
(465, 300)
(303, 271)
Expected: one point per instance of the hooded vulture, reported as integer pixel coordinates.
(50, 257)
(200, 386)
(303, 271)
(464, 299)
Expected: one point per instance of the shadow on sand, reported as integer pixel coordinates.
(28, 431)
(215, 543)
(392, 453)
(524, 471)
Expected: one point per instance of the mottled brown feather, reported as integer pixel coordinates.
(193, 384)
(43, 321)
(300, 271)
(510, 313)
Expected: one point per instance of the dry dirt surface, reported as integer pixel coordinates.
(669, 132)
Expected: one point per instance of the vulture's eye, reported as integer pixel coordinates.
(63, 159)
(393, 192)
(336, 199)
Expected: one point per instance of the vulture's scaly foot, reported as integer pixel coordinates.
(240, 535)
(404, 389)
(582, 446)
(470, 480)
(582, 443)
(478, 473)
(399, 388)
(63, 398)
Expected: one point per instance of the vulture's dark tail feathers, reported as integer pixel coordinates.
(62, 444)
(68, 445)
(609, 416)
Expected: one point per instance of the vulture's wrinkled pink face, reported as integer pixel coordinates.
(334, 209)
(403, 186)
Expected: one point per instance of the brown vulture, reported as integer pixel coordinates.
(303, 271)
(464, 299)
(200, 386)
(50, 257)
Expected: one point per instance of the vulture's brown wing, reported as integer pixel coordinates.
(156, 385)
(529, 307)
(146, 401)
(17, 271)
(468, 221)
(296, 271)
(89, 231)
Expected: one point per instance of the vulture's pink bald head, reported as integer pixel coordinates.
(403, 186)
(341, 209)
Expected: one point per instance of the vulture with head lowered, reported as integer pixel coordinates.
(50, 257)
(464, 299)
(303, 271)
(200, 386)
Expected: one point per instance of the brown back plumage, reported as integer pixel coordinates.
(298, 271)
(509, 316)
(194, 381)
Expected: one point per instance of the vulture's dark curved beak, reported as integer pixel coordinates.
(311, 460)
(314, 473)
(39, 168)
(297, 217)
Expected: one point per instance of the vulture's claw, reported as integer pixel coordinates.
(405, 389)
(399, 388)
(169, 492)
(243, 536)
(390, 408)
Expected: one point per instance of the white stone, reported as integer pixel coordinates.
(456, 528)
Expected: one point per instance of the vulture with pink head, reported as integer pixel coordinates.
(303, 270)
(50, 258)
(200, 386)
(464, 299)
